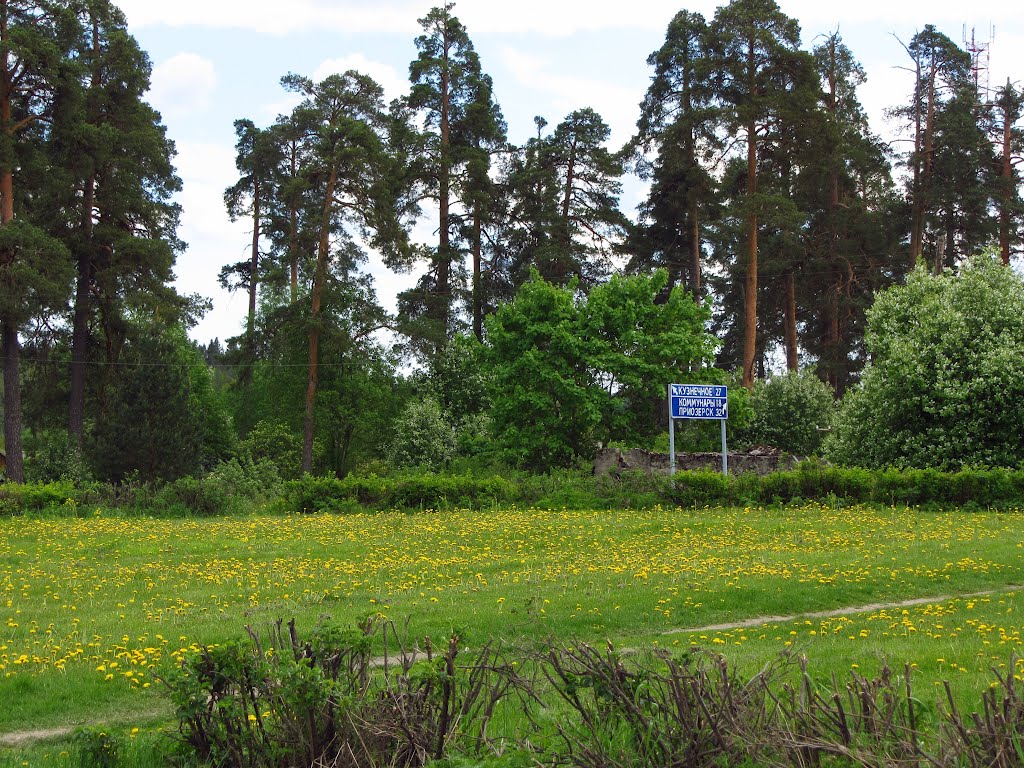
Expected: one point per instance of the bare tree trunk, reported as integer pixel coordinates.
(293, 228)
(922, 190)
(695, 253)
(478, 299)
(792, 354)
(917, 204)
(1006, 178)
(319, 277)
(80, 332)
(444, 257)
(750, 284)
(12, 404)
(12, 373)
(80, 342)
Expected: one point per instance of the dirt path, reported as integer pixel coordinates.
(758, 621)
(25, 738)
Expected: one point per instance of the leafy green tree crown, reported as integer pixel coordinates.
(946, 382)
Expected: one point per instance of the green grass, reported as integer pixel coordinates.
(86, 601)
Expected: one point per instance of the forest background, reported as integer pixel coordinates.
(542, 320)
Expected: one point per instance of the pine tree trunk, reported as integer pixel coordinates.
(695, 254)
(1006, 195)
(444, 257)
(12, 404)
(750, 284)
(792, 353)
(921, 201)
(12, 372)
(80, 327)
(833, 333)
(478, 299)
(319, 277)
(254, 267)
(917, 204)
(692, 208)
(80, 346)
(293, 232)
(562, 269)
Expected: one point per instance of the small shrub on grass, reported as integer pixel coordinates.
(413, 491)
(248, 478)
(97, 748)
(280, 700)
(53, 455)
(791, 412)
(274, 443)
(17, 499)
(204, 496)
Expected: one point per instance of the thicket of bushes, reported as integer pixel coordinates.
(418, 491)
(981, 489)
(284, 699)
(236, 487)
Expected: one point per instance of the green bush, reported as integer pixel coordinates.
(97, 748)
(247, 478)
(53, 455)
(415, 491)
(791, 412)
(275, 443)
(189, 495)
(17, 499)
(282, 700)
(946, 377)
(425, 436)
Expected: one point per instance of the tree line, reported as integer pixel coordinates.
(773, 216)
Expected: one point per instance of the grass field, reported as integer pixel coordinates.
(91, 608)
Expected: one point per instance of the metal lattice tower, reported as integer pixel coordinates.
(980, 57)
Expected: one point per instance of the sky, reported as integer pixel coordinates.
(215, 61)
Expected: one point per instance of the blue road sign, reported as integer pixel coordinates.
(699, 401)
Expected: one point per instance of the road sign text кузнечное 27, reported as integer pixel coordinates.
(699, 401)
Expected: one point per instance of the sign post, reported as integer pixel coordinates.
(697, 401)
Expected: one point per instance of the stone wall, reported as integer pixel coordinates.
(760, 460)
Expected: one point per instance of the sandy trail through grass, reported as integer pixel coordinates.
(757, 621)
(25, 738)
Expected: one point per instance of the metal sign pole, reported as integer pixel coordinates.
(725, 452)
(671, 436)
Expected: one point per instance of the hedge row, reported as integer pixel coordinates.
(969, 489)
(423, 491)
(17, 499)
(981, 489)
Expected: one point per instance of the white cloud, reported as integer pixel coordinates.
(183, 83)
(269, 17)
(206, 170)
(889, 15)
(617, 105)
(539, 17)
(394, 84)
(282, 106)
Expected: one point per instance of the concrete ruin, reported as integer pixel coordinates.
(760, 460)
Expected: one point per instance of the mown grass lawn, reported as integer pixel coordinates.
(91, 608)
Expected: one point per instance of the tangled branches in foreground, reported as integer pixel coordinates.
(327, 700)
